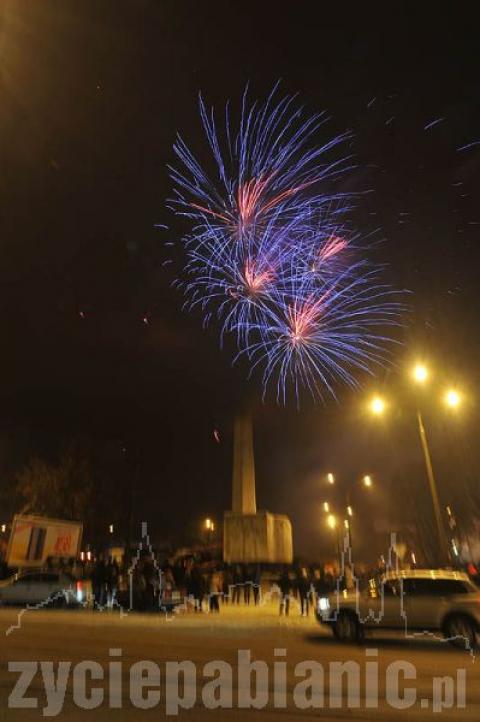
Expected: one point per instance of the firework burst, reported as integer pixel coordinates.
(270, 254)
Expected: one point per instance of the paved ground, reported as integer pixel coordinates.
(73, 636)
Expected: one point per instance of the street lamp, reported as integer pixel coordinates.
(452, 399)
(110, 528)
(346, 507)
(420, 373)
(332, 521)
(332, 524)
(377, 406)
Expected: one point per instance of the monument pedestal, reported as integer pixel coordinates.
(259, 537)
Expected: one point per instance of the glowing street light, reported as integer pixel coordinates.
(420, 373)
(330, 478)
(332, 521)
(452, 399)
(4, 528)
(208, 524)
(326, 507)
(377, 405)
(367, 480)
(110, 528)
(349, 511)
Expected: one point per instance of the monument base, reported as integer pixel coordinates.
(262, 537)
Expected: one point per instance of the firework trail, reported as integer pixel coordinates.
(270, 253)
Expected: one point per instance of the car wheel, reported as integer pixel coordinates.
(461, 631)
(346, 628)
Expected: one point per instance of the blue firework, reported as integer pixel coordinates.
(270, 253)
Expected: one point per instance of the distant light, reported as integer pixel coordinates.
(347, 524)
(326, 506)
(331, 521)
(452, 398)
(110, 528)
(377, 405)
(330, 478)
(414, 559)
(208, 524)
(367, 480)
(4, 528)
(420, 373)
(349, 511)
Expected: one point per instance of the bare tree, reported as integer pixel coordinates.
(59, 489)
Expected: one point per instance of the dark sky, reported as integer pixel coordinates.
(94, 341)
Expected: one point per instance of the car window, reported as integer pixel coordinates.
(21, 580)
(446, 587)
(28, 578)
(418, 587)
(434, 587)
(40, 577)
(391, 588)
(49, 577)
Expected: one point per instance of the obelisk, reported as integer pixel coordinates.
(250, 535)
(243, 480)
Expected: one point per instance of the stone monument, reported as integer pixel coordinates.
(249, 535)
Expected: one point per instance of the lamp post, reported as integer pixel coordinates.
(442, 537)
(332, 523)
(347, 509)
(420, 375)
(209, 529)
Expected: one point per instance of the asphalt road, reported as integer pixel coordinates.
(75, 636)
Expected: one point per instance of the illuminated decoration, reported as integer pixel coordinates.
(270, 254)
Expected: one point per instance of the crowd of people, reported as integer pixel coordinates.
(200, 586)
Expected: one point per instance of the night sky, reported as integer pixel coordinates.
(94, 341)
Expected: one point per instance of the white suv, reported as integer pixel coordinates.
(421, 600)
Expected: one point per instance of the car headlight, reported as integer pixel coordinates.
(323, 604)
